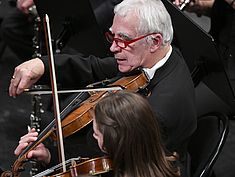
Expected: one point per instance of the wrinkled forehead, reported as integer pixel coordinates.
(125, 25)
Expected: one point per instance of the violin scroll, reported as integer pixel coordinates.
(6, 174)
(17, 168)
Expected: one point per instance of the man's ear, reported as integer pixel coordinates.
(156, 42)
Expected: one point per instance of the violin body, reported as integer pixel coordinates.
(91, 167)
(81, 116)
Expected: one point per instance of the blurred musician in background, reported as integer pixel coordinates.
(17, 29)
(222, 14)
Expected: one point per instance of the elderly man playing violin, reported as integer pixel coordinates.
(140, 36)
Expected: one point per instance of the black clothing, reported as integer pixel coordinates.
(17, 32)
(223, 27)
(223, 31)
(172, 100)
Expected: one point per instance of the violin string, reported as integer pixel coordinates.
(56, 167)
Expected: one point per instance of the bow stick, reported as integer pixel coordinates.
(54, 92)
(46, 92)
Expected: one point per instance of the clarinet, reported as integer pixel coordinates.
(35, 122)
(37, 109)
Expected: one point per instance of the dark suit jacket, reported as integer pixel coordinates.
(172, 99)
(172, 91)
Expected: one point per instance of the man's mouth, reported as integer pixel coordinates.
(120, 59)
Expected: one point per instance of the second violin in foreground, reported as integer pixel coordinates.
(80, 166)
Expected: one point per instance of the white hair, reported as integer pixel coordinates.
(152, 14)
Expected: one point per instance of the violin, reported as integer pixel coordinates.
(92, 167)
(81, 116)
(77, 115)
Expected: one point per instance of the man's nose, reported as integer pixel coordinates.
(114, 47)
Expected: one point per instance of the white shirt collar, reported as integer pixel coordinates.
(151, 71)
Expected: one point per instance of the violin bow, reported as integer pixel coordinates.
(47, 92)
(54, 91)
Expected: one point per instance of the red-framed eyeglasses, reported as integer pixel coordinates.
(122, 43)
